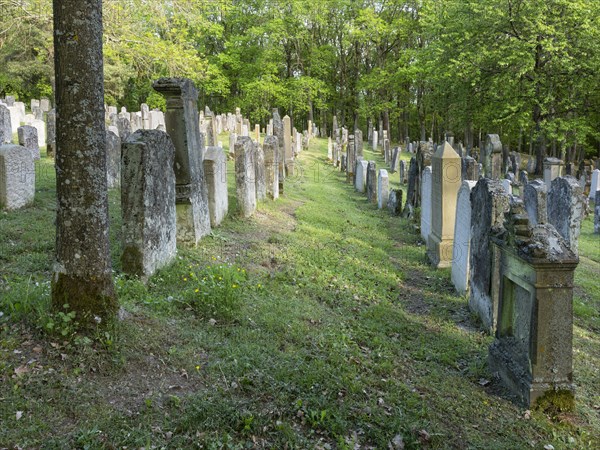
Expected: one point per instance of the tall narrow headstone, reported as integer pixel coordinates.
(51, 133)
(17, 177)
(489, 201)
(462, 238)
(183, 126)
(394, 160)
(28, 138)
(232, 140)
(113, 159)
(271, 151)
(595, 184)
(358, 143)
(148, 202)
(383, 188)
(492, 157)
(395, 202)
(470, 169)
(534, 199)
(445, 182)
(287, 145)
(375, 140)
(372, 182)
(215, 173)
(426, 212)
(411, 192)
(330, 149)
(260, 175)
(597, 213)
(566, 209)
(245, 176)
(350, 158)
(360, 178)
(403, 171)
(552, 170)
(278, 133)
(5, 125)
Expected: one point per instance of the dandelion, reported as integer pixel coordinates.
(197, 367)
(234, 286)
(185, 279)
(259, 285)
(214, 259)
(197, 290)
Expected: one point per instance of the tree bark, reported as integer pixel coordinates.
(82, 276)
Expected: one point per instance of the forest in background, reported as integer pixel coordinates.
(525, 69)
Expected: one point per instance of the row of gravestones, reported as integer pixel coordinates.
(514, 254)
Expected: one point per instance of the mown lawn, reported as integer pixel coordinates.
(332, 332)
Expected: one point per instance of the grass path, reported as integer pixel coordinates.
(345, 339)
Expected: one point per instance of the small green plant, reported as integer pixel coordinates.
(60, 323)
(216, 291)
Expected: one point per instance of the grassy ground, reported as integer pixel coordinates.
(336, 334)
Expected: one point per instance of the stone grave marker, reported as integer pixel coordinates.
(595, 184)
(51, 133)
(245, 176)
(360, 178)
(462, 238)
(492, 156)
(271, 151)
(383, 188)
(5, 125)
(371, 182)
(17, 177)
(552, 169)
(28, 138)
(426, 203)
(395, 202)
(259, 171)
(597, 213)
(394, 161)
(566, 209)
(113, 160)
(215, 173)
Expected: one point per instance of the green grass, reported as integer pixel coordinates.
(344, 336)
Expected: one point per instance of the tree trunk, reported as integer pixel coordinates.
(82, 276)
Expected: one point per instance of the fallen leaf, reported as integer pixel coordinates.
(19, 415)
(21, 370)
(424, 436)
(37, 349)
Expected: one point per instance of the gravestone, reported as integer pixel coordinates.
(394, 161)
(287, 145)
(492, 157)
(386, 151)
(507, 185)
(329, 149)
(10, 100)
(343, 163)
(358, 144)
(145, 110)
(531, 165)
(124, 127)
(462, 238)
(148, 202)
(383, 188)
(403, 171)
(566, 209)
(523, 178)
(375, 140)
(40, 125)
(597, 213)
(360, 178)
(17, 177)
(552, 169)
(535, 200)
(278, 133)
(445, 181)
(245, 177)
(372, 182)
(489, 201)
(271, 151)
(17, 115)
(395, 202)
(411, 193)
(470, 169)
(426, 204)
(28, 138)
(232, 140)
(183, 126)
(5, 126)
(113, 160)
(595, 184)
(35, 104)
(350, 158)
(532, 352)
(45, 105)
(215, 174)
(259, 171)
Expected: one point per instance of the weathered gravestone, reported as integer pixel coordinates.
(51, 133)
(552, 169)
(113, 160)
(383, 188)
(492, 157)
(358, 143)
(330, 149)
(530, 165)
(148, 202)
(28, 138)
(40, 125)
(271, 151)
(183, 126)
(386, 151)
(287, 146)
(462, 238)
(394, 161)
(533, 348)
(395, 202)
(597, 213)
(490, 201)
(245, 176)
(350, 159)
(45, 105)
(445, 182)
(360, 178)
(403, 171)
(343, 163)
(17, 177)
(278, 133)
(566, 209)
(426, 204)
(595, 184)
(375, 140)
(259, 173)
(124, 127)
(215, 174)
(232, 140)
(372, 182)
(411, 192)
(5, 126)
(470, 169)
(535, 200)
(523, 180)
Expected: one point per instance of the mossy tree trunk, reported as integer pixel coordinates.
(82, 275)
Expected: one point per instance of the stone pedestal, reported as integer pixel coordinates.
(183, 126)
(533, 348)
(446, 180)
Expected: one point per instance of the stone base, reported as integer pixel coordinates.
(440, 251)
(520, 383)
(190, 226)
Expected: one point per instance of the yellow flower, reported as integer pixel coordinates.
(234, 286)
(214, 259)
(259, 285)
(185, 279)
(197, 290)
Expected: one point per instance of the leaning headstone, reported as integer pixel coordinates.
(394, 160)
(552, 169)
(148, 203)
(372, 182)
(17, 177)
(445, 182)
(489, 201)
(395, 202)
(383, 188)
(260, 175)
(183, 126)
(245, 176)
(566, 209)
(492, 157)
(5, 126)
(595, 184)
(28, 138)
(597, 213)
(271, 151)
(426, 204)
(462, 238)
(535, 201)
(360, 178)
(532, 352)
(215, 174)
(113, 160)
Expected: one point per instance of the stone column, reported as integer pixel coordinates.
(183, 126)
(148, 203)
(245, 176)
(271, 151)
(83, 272)
(446, 180)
